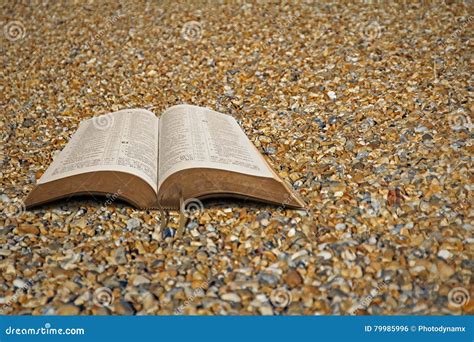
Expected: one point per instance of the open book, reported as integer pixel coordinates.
(150, 162)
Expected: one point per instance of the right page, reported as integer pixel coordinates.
(196, 137)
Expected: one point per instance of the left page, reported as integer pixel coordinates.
(124, 141)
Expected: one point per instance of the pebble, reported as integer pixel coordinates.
(349, 255)
(325, 255)
(445, 271)
(18, 283)
(68, 310)
(5, 252)
(268, 278)
(444, 254)
(140, 280)
(231, 297)
(120, 257)
(28, 229)
(293, 279)
(124, 308)
(168, 232)
(332, 95)
(133, 223)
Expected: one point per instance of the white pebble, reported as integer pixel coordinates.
(19, 283)
(325, 255)
(445, 254)
(231, 297)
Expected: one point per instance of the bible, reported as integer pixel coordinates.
(156, 162)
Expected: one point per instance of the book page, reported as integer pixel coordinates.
(196, 137)
(125, 141)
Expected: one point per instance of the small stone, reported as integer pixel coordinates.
(269, 150)
(168, 232)
(445, 271)
(19, 283)
(28, 229)
(293, 279)
(124, 308)
(349, 255)
(68, 310)
(83, 298)
(140, 280)
(292, 232)
(133, 223)
(300, 254)
(192, 225)
(331, 95)
(82, 223)
(444, 254)
(325, 255)
(356, 272)
(426, 137)
(231, 297)
(266, 310)
(5, 252)
(120, 257)
(268, 278)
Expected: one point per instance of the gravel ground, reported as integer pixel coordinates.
(366, 109)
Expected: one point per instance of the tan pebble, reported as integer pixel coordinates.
(82, 223)
(266, 310)
(68, 310)
(444, 270)
(231, 297)
(28, 229)
(356, 272)
(293, 279)
(140, 280)
(5, 252)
